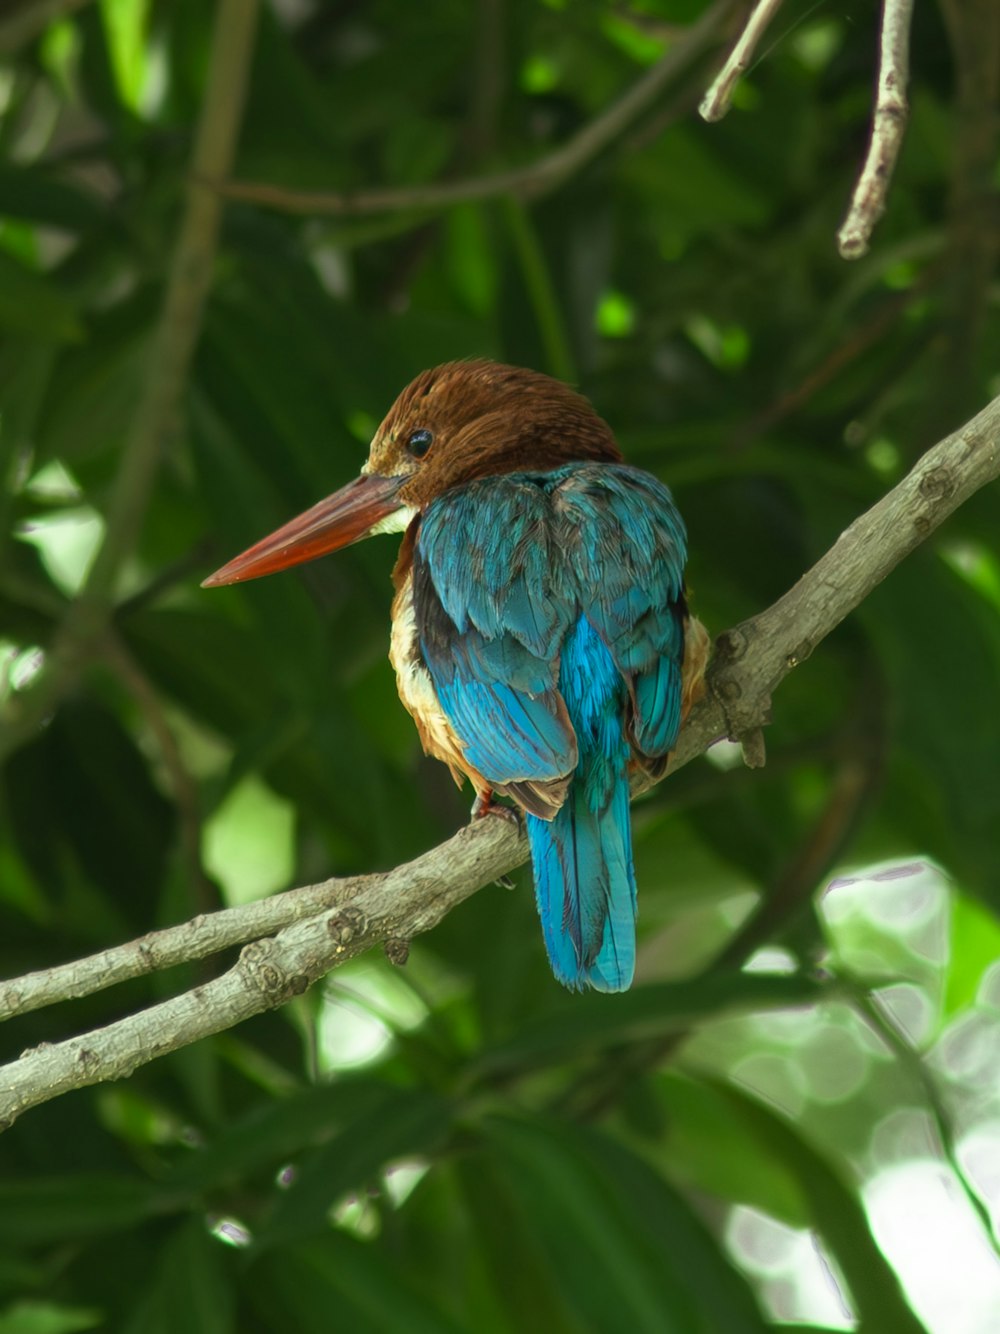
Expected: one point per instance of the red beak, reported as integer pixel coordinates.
(345, 517)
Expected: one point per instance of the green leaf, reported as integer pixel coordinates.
(84, 787)
(710, 1146)
(719, 1292)
(125, 23)
(33, 195)
(591, 1022)
(37, 1317)
(624, 1248)
(192, 1289)
(33, 305)
(340, 1280)
(403, 1123)
(47, 1209)
(526, 1289)
(944, 738)
(274, 1132)
(973, 947)
(838, 1215)
(91, 396)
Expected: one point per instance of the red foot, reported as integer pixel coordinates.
(487, 804)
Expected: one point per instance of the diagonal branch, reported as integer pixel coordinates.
(344, 918)
(537, 178)
(478, 851)
(387, 909)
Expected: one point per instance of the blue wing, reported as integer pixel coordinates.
(490, 631)
(625, 540)
(550, 613)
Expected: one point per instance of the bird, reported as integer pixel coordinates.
(540, 635)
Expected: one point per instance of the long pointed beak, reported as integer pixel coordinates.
(350, 514)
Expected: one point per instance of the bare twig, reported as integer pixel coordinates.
(716, 101)
(888, 124)
(155, 416)
(751, 661)
(531, 181)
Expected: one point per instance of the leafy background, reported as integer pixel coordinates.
(793, 1117)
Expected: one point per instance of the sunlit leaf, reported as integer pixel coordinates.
(838, 1215)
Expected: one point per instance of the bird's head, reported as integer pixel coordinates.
(461, 421)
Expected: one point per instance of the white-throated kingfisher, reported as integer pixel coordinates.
(540, 634)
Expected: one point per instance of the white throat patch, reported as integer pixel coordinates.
(396, 522)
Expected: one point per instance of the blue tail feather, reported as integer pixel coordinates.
(585, 887)
(582, 859)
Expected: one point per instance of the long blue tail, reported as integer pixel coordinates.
(582, 859)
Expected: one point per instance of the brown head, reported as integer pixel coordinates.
(460, 421)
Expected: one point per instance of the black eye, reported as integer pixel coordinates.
(420, 442)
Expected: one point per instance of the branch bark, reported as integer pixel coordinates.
(716, 101)
(888, 124)
(320, 926)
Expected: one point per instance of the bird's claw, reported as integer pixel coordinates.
(487, 804)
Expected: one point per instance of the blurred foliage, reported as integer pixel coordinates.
(459, 1145)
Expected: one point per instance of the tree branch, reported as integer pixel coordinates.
(716, 101)
(320, 926)
(888, 120)
(376, 909)
(531, 181)
(888, 124)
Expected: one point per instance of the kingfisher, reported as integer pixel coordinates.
(540, 634)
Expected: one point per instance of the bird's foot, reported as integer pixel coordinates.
(486, 804)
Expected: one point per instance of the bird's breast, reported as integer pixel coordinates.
(416, 689)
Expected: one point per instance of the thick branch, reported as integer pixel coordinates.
(537, 178)
(390, 908)
(888, 124)
(488, 849)
(348, 917)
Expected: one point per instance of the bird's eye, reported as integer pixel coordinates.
(420, 442)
